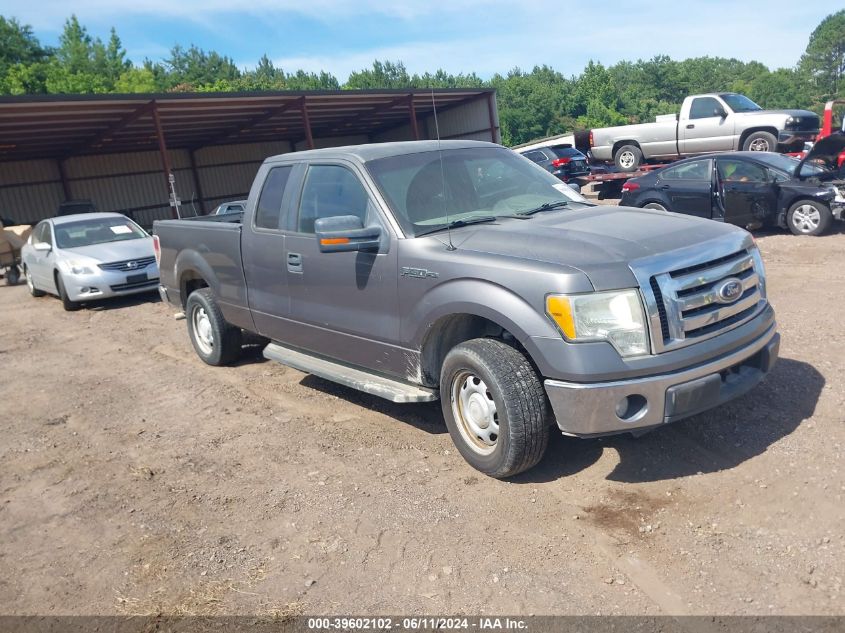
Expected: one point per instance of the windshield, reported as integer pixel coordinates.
(477, 182)
(788, 164)
(97, 231)
(740, 103)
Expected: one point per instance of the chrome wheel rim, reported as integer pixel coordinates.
(475, 412)
(29, 283)
(203, 334)
(759, 145)
(654, 205)
(626, 160)
(806, 218)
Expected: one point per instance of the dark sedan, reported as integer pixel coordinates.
(563, 161)
(748, 189)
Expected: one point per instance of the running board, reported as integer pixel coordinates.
(387, 388)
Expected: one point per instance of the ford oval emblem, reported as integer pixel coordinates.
(729, 290)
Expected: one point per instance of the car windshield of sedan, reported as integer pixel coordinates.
(431, 190)
(740, 103)
(97, 231)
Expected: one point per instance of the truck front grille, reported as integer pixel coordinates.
(701, 299)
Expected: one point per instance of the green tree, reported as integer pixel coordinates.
(18, 45)
(382, 75)
(824, 59)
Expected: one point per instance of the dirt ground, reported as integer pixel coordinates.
(134, 479)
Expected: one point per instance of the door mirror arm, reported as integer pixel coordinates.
(345, 233)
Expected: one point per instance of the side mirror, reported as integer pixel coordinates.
(720, 112)
(42, 247)
(344, 233)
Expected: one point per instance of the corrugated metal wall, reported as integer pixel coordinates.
(134, 183)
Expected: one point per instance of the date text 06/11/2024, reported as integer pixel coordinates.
(424, 623)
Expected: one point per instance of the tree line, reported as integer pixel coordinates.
(532, 104)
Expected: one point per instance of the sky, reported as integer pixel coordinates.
(481, 36)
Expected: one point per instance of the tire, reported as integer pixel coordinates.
(494, 406)
(809, 217)
(760, 142)
(215, 341)
(67, 304)
(654, 205)
(628, 158)
(30, 283)
(13, 276)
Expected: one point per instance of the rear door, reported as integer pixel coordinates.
(263, 251)
(688, 187)
(343, 305)
(704, 131)
(747, 194)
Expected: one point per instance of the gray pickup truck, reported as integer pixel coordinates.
(463, 271)
(707, 123)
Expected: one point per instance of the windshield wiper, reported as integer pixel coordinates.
(546, 206)
(454, 224)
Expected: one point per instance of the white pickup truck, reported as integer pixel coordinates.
(716, 122)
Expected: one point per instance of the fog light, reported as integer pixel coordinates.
(631, 407)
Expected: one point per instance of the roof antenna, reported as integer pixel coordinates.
(450, 246)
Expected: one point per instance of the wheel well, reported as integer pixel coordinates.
(189, 282)
(449, 331)
(619, 144)
(749, 132)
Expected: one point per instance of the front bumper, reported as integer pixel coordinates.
(104, 284)
(790, 137)
(586, 410)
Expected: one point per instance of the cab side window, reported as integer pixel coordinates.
(332, 190)
(703, 107)
(269, 207)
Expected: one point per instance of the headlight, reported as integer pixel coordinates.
(79, 268)
(616, 317)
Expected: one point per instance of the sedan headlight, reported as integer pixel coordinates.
(616, 317)
(79, 268)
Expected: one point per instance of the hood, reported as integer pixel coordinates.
(804, 114)
(825, 151)
(114, 251)
(600, 241)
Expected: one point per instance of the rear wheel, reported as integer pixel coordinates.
(494, 406)
(215, 341)
(808, 217)
(30, 283)
(655, 205)
(67, 304)
(628, 158)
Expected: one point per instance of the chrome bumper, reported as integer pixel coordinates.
(586, 410)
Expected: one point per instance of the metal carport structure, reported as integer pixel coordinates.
(120, 150)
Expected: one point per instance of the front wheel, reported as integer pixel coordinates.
(30, 283)
(215, 341)
(67, 304)
(808, 217)
(760, 142)
(494, 406)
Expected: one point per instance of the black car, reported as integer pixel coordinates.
(748, 189)
(563, 161)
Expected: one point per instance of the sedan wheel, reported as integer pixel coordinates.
(30, 283)
(655, 205)
(808, 217)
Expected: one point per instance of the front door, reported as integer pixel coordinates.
(42, 263)
(747, 196)
(705, 131)
(343, 305)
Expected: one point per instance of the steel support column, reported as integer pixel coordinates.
(491, 114)
(306, 123)
(412, 112)
(165, 159)
(197, 184)
(60, 163)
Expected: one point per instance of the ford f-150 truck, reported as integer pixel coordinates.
(716, 122)
(463, 271)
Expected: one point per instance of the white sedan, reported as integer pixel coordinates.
(89, 256)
